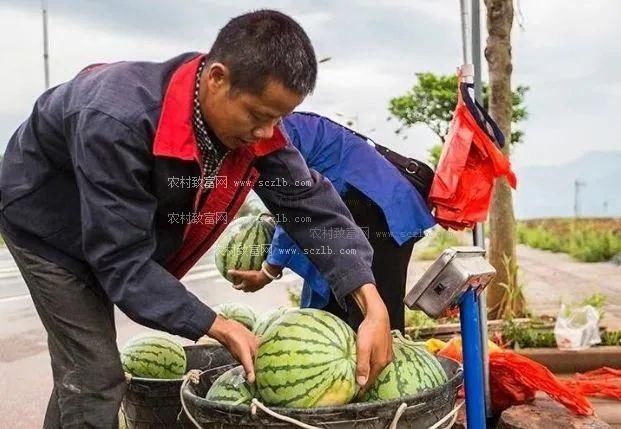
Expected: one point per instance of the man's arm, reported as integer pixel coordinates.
(112, 170)
(347, 268)
(281, 249)
(317, 220)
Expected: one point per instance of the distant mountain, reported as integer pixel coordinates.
(546, 191)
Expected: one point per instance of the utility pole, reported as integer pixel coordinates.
(478, 234)
(46, 66)
(577, 185)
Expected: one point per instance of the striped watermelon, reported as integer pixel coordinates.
(413, 370)
(307, 359)
(244, 244)
(241, 313)
(154, 356)
(267, 319)
(232, 388)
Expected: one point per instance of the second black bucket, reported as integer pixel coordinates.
(424, 410)
(155, 404)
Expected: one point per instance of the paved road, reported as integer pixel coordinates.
(25, 374)
(551, 278)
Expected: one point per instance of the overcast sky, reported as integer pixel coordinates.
(568, 53)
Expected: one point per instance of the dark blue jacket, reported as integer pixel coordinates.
(81, 186)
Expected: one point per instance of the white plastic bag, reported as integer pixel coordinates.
(577, 328)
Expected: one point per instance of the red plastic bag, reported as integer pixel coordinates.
(604, 382)
(515, 379)
(470, 163)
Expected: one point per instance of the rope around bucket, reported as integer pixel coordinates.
(452, 415)
(194, 376)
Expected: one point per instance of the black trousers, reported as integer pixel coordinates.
(89, 383)
(390, 262)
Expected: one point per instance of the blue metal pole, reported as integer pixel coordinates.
(473, 360)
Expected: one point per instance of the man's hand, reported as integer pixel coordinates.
(249, 281)
(253, 280)
(238, 340)
(374, 344)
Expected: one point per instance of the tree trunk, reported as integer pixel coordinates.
(502, 218)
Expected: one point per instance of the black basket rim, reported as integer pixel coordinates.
(453, 382)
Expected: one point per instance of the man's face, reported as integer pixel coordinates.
(239, 117)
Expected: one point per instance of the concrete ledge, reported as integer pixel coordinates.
(568, 362)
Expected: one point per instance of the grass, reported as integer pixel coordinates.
(417, 320)
(436, 243)
(611, 338)
(513, 302)
(586, 240)
(519, 336)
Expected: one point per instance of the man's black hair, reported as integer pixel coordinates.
(263, 45)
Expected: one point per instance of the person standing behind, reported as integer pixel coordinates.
(384, 204)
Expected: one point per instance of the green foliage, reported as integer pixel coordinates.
(417, 320)
(523, 335)
(583, 240)
(512, 303)
(611, 338)
(440, 240)
(434, 155)
(535, 334)
(594, 246)
(597, 301)
(431, 101)
(433, 98)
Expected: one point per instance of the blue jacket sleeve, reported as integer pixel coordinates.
(338, 247)
(112, 167)
(348, 159)
(282, 248)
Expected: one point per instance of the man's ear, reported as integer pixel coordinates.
(218, 76)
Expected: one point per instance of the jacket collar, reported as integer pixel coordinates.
(175, 133)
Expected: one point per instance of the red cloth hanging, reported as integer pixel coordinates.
(604, 382)
(515, 379)
(470, 162)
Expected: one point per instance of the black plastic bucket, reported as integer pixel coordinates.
(155, 404)
(423, 410)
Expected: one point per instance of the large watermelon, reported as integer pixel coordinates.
(307, 359)
(244, 244)
(267, 319)
(154, 356)
(413, 370)
(242, 313)
(232, 388)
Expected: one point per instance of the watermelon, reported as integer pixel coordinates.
(267, 319)
(241, 313)
(413, 370)
(307, 358)
(244, 244)
(154, 356)
(232, 388)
